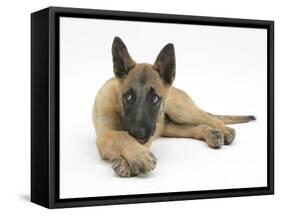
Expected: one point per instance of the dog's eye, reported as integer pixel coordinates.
(129, 97)
(154, 99)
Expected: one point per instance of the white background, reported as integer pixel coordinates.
(15, 108)
(224, 69)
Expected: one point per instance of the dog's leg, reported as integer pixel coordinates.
(180, 108)
(214, 137)
(128, 157)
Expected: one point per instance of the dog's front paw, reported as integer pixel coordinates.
(144, 162)
(141, 161)
(121, 167)
(215, 138)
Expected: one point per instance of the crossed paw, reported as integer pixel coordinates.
(139, 162)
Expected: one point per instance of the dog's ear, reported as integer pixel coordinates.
(122, 61)
(165, 64)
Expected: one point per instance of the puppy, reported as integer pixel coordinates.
(140, 104)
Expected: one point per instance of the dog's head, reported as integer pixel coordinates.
(143, 88)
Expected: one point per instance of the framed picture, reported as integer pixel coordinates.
(132, 107)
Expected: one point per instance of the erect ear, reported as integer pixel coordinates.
(122, 61)
(165, 64)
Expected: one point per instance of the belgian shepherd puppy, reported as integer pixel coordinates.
(140, 104)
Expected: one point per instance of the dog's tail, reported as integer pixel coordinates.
(234, 119)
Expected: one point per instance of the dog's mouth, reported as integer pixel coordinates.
(142, 141)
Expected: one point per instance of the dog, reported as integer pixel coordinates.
(140, 104)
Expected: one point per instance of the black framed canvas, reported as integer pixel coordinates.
(93, 141)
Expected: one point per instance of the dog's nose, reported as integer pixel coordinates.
(138, 133)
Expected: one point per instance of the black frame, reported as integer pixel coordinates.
(45, 106)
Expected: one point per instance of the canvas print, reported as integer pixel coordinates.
(156, 107)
